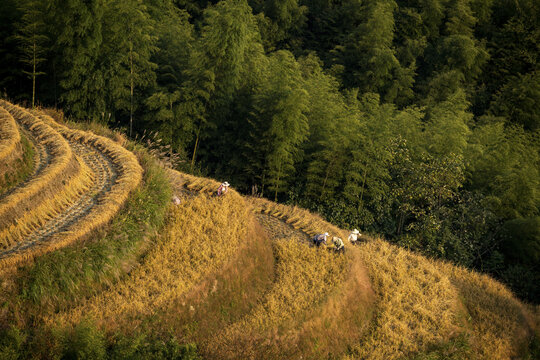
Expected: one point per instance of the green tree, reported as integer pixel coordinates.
(164, 108)
(503, 165)
(369, 57)
(455, 58)
(128, 45)
(330, 134)
(367, 171)
(515, 39)
(519, 101)
(12, 79)
(280, 104)
(33, 39)
(426, 192)
(458, 47)
(229, 38)
(287, 17)
(447, 129)
(78, 26)
(166, 105)
(523, 243)
(521, 248)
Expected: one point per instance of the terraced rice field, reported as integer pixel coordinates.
(79, 181)
(236, 275)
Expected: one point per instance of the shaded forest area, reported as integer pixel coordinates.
(418, 120)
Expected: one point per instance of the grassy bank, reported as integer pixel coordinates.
(22, 167)
(58, 279)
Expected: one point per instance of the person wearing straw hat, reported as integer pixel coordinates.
(353, 237)
(222, 190)
(339, 246)
(319, 239)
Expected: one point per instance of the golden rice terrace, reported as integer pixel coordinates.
(96, 259)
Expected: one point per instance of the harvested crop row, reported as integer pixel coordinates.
(128, 168)
(278, 229)
(200, 184)
(104, 174)
(49, 180)
(38, 216)
(10, 148)
(202, 234)
(34, 159)
(298, 218)
(100, 211)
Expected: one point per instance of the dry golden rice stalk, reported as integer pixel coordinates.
(129, 177)
(306, 277)
(416, 303)
(49, 180)
(58, 202)
(201, 236)
(501, 324)
(298, 218)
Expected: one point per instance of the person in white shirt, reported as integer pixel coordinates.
(353, 237)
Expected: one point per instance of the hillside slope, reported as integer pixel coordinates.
(235, 276)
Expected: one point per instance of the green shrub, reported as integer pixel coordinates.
(140, 347)
(457, 348)
(11, 343)
(83, 342)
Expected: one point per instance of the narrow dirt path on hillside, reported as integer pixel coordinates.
(41, 160)
(105, 175)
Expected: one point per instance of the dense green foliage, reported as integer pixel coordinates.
(86, 341)
(417, 119)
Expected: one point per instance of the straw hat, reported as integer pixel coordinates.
(356, 232)
(225, 184)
